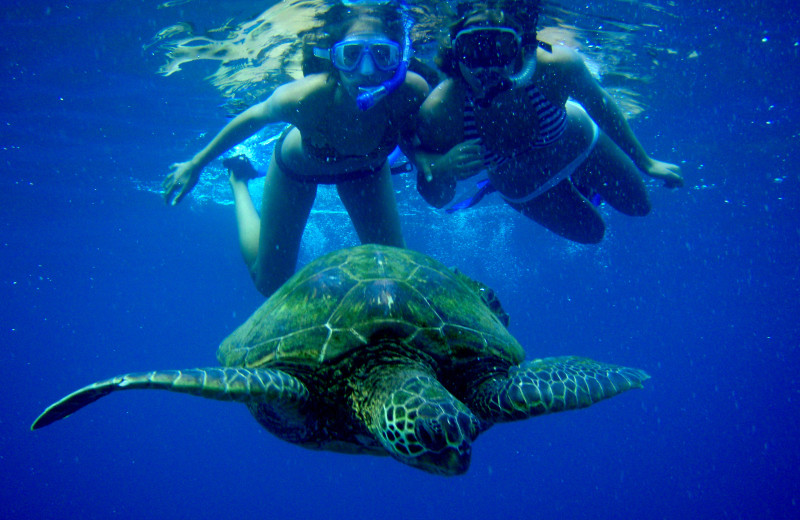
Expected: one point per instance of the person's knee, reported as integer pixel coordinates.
(631, 204)
(265, 285)
(267, 281)
(591, 232)
(640, 208)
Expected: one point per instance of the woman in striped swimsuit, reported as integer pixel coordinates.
(502, 122)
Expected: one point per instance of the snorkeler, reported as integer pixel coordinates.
(354, 105)
(501, 121)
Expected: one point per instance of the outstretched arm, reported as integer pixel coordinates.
(607, 114)
(184, 175)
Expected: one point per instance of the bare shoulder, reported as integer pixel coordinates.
(441, 101)
(310, 93)
(411, 94)
(417, 84)
(405, 102)
(441, 117)
(561, 60)
(563, 71)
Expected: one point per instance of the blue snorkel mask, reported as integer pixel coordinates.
(369, 96)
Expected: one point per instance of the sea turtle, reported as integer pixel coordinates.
(380, 350)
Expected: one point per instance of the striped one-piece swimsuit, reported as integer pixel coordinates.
(552, 125)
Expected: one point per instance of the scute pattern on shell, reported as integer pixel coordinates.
(338, 302)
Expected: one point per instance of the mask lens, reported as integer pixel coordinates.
(347, 55)
(486, 46)
(385, 55)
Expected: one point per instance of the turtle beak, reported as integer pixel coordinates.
(452, 461)
(448, 446)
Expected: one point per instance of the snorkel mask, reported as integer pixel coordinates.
(486, 46)
(347, 55)
(385, 54)
(488, 51)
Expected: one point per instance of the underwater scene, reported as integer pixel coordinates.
(679, 280)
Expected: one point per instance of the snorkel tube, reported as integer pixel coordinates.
(520, 79)
(524, 76)
(369, 96)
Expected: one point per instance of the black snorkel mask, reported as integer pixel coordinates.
(488, 49)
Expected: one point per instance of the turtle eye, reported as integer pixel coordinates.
(452, 431)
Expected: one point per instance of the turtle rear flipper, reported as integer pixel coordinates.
(554, 384)
(283, 391)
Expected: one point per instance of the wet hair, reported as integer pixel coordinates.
(337, 21)
(522, 18)
(524, 12)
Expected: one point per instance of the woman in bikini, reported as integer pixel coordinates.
(502, 122)
(354, 105)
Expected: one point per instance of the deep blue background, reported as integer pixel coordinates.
(100, 278)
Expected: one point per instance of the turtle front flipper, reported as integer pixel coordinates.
(419, 422)
(552, 385)
(283, 391)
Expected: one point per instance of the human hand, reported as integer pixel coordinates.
(460, 162)
(669, 173)
(180, 182)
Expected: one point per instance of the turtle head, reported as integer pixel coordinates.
(421, 424)
(446, 443)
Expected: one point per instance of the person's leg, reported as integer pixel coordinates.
(372, 208)
(248, 223)
(285, 207)
(564, 211)
(612, 174)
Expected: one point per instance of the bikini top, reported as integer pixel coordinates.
(552, 124)
(328, 154)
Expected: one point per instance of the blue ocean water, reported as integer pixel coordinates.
(99, 277)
